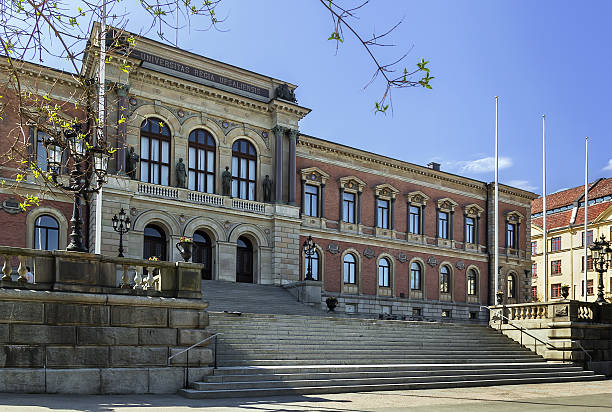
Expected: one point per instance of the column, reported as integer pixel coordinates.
(278, 131)
(341, 204)
(302, 201)
(423, 220)
(392, 214)
(477, 234)
(358, 220)
(122, 104)
(450, 224)
(293, 136)
(375, 211)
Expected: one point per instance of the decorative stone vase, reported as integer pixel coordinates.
(331, 303)
(500, 297)
(565, 291)
(185, 249)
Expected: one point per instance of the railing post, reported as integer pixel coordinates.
(215, 354)
(6, 269)
(22, 270)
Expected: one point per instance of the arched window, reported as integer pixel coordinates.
(384, 272)
(202, 253)
(349, 269)
(154, 152)
(46, 233)
(511, 286)
(444, 279)
(472, 282)
(201, 161)
(244, 158)
(154, 242)
(314, 261)
(415, 276)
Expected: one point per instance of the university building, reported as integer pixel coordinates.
(565, 241)
(214, 152)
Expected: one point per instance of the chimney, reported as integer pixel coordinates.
(434, 166)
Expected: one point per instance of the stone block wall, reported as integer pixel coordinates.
(89, 343)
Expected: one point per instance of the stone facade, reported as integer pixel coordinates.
(260, 236)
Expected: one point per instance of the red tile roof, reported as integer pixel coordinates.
(562, 219)
(602, 187)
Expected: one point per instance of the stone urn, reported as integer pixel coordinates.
(500, 297)
(185, 249)
(565, 291)
(331, 303)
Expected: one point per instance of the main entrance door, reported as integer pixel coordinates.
(244, 261)
(202, 253)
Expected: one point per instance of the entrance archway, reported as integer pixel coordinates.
(202, 253)
(154, 243)
(244, 260)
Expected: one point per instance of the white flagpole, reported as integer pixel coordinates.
(586, 215)
(545, 233)
(496, 267)
(101, 121)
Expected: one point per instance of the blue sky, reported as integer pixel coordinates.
(544, 56)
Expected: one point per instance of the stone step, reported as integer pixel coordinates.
(259, 384)
(445, 371)
(313, 353)
(371, 361)
(468, 382)
(285, 347)
(267, 370)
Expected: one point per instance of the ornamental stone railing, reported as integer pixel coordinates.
(561, 330)
(84, 272)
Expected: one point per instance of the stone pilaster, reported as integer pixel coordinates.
(278, 131)
(122, 104)
(293, 136)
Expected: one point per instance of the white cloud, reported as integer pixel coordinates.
(482, 165)
(608, 166)
(522, 184)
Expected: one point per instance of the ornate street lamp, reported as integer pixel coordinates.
(121, 225)
(309, 251)
(601, 255)
(86, 161)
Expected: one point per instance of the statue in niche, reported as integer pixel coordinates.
(181, 173)
(226, 181)
(131, 163)
(267, 189)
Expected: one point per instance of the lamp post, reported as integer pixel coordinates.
(85, 162)
(309, 251)
(601, 254)
(121, 225)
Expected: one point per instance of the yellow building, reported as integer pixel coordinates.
(564, 240)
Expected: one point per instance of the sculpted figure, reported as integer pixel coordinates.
(131, 163)
(267, 189)
(226, 180)
(181, 173)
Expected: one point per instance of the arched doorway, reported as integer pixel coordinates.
(202, 253)
(244, 260)
(154, 242)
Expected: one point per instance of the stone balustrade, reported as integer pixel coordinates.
(562, 330)
(85, 272)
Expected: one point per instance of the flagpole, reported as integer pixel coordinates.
(496, 267)
(586, 216)
(545, 242)
(101, 122)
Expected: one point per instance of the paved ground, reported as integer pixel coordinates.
(558, 397)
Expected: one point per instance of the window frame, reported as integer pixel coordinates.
(198, 171)
(347, 274)
(160, 138)
(534, 247)
(470, 229)
(443, 229)
(311, 199)
(386, 273)
(511, 234)
(419, 273)
(445, 279)
(555, 267)
(511, 286)
(237, 180)
(472, 282)
(555, 291)
(555, 243)
(315, 257)
(350, 206)
(414, 218)
(383, 208)
(45, 230)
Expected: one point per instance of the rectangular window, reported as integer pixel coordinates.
(534, 293)
(589, 263)
(511, 235)
(470, 229)
(348, 207)
(589, 287)
(555, 243)
(311, 200)
(414, 218)
(555, 290)
(534, 269)
(446, 313)
(41, 151)
(382, 213)
(589, 237)
(555, 267)
(534, 248)
(443, 225)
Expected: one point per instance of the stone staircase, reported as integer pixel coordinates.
(267, 355)
(253, 298)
